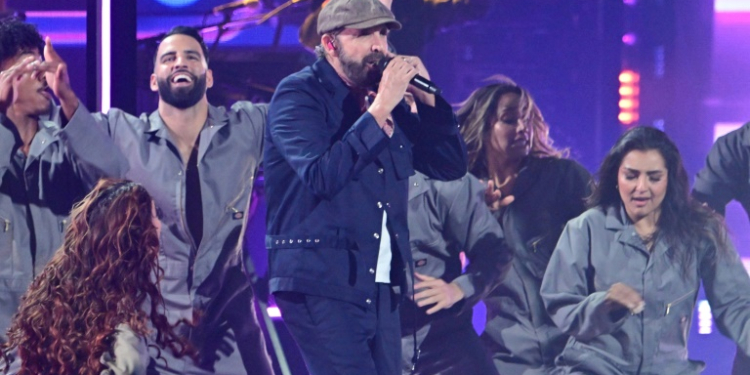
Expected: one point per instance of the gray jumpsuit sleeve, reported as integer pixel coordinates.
(470, 223)
(566, 287)
(727, 287)
(726, 172)
(89, 137)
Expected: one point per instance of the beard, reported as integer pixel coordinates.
(44, 107)
(358, 72)
(182, 97)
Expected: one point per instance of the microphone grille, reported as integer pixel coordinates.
(383, 63)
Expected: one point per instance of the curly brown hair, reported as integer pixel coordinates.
(105, 272)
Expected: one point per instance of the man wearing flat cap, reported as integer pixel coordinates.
(340, 146)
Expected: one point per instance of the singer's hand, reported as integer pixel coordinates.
(392, 88)
(422, 96)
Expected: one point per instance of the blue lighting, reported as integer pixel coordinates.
(177, 3)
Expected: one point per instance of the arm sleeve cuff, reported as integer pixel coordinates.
(369, 138)
(439, 118)
(464, 283)
(77, 125)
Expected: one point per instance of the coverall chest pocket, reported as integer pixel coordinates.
(539, 250)
(676, 326)
(680, 304)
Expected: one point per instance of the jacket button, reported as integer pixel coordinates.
(376, 235)
(372, 270)
(369, 301)
(380, 205)
(396, 235)
(387, 204)
(381, 170)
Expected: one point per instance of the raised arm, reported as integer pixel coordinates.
(470, 223)
(438, 147)
(86, 137)
(89, 142)
(725, 174)
(298, 129)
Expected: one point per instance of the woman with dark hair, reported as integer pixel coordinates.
(533, 191)
(625, 275)
(95, 301)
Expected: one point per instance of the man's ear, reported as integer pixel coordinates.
(153, 84)
(329, 44)
(209, 78)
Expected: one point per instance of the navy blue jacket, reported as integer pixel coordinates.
(330, 171)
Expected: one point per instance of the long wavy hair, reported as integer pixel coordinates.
(686, 225)
(478, 113)
(106, 273)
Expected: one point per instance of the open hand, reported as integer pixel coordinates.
(494, 198)
(10, 76)
(436, 291)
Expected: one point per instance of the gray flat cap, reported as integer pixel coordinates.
(355, 14)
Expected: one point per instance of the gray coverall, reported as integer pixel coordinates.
(37, 192)
(209, 279)
(600, 248)
(446, 218)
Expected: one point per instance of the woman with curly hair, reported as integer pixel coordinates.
(624, 278)
(97, 300)
(533, 191)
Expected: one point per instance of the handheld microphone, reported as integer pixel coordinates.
(418, 81)
(230, 7)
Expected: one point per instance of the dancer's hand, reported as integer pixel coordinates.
(627, 297)
(436, 291)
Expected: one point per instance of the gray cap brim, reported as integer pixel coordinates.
(392, 24)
